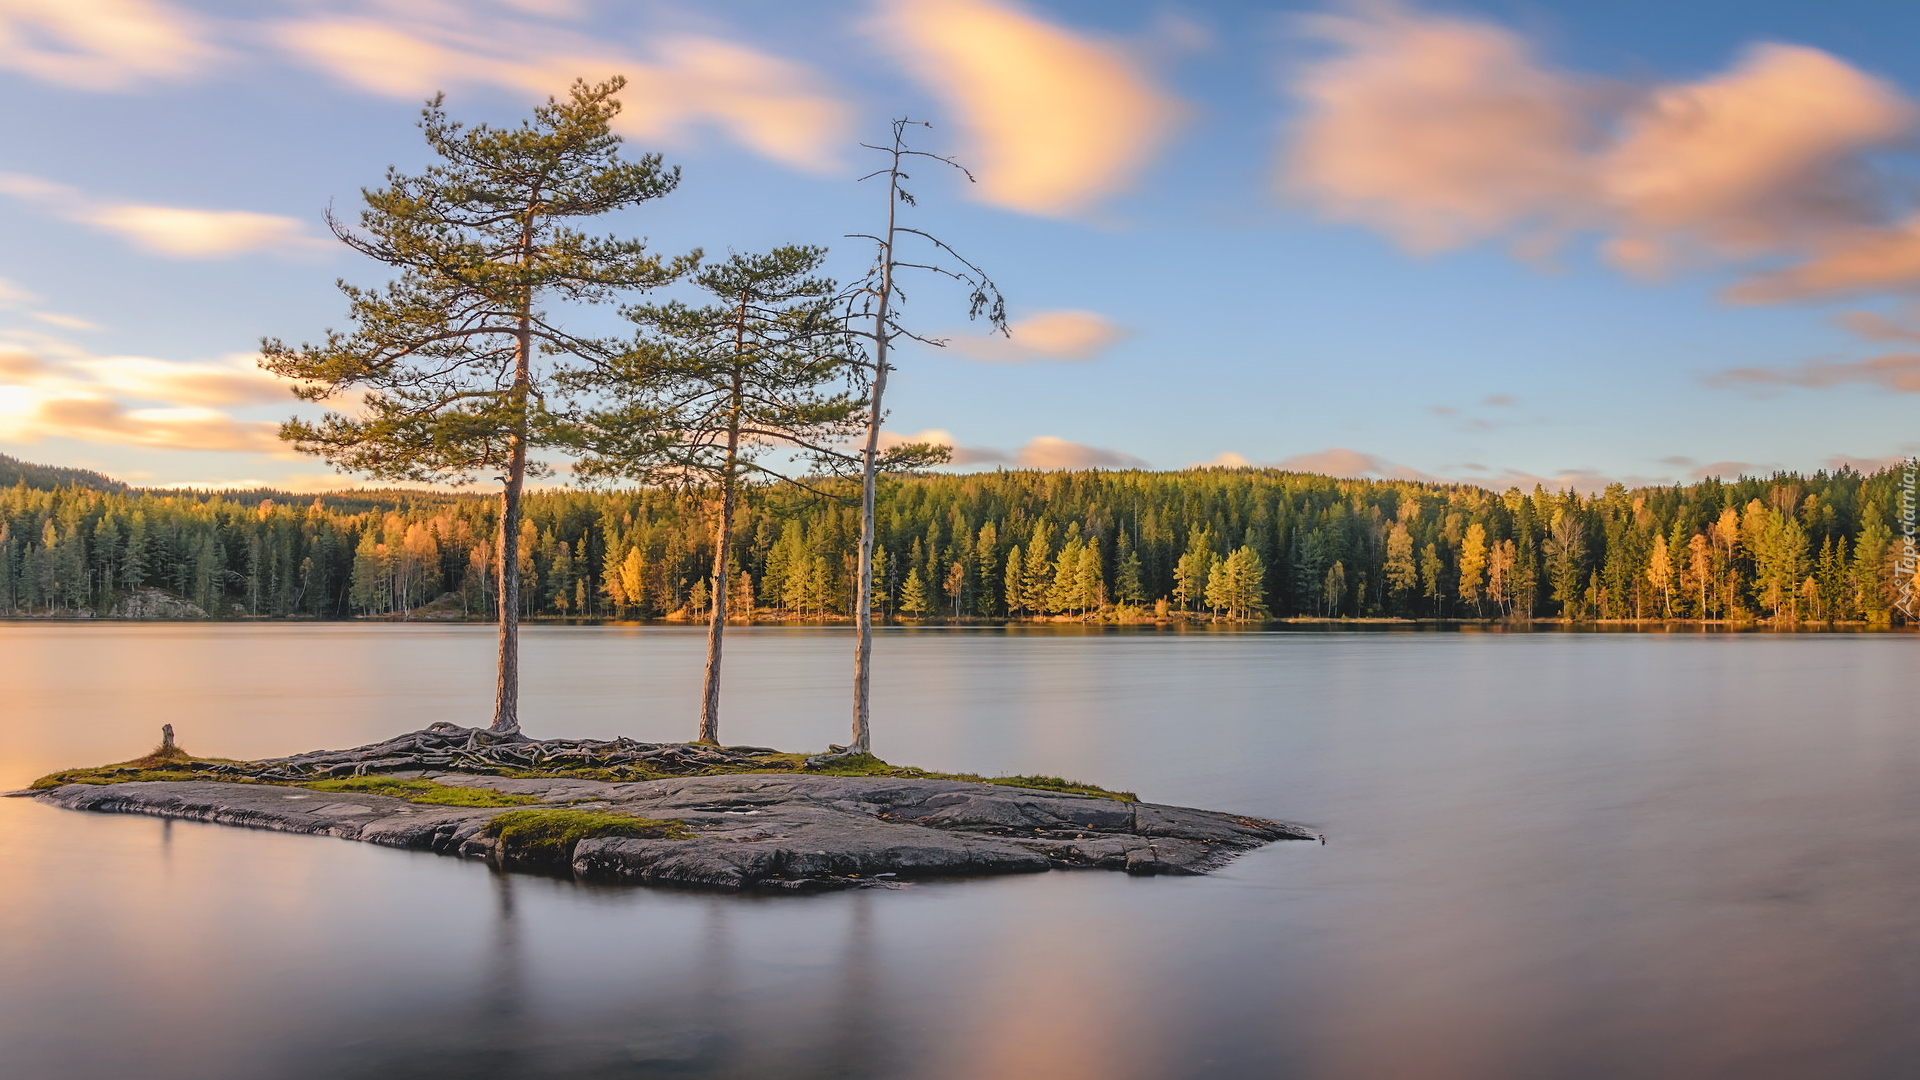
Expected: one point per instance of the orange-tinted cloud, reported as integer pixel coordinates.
(1049, 335)
(107, 421)
(1877, 327)
(1853, 262)
(1355, 464)
(1226, 459)
(1899, 372)
(1437, 131)
(1442, 131)
(1048, 452)
(137, 401)
(1041, 452)
(100, 44)
(774, 106)
(17, 366)
(1055, 119)
(178, 232)
(1762, 159)
(236, 380)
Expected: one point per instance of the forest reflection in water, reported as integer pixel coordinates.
(1566, 856)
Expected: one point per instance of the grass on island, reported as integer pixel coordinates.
(849, 765)
(549, 833)
(164, 763)
(868, 765)
(176, 764)
(430, 792)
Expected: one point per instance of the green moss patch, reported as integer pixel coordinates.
(548, 834)
(422, 791)
(868, 765)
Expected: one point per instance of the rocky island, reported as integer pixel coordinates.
(734, 818)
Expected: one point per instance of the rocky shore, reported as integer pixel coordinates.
(732, 832)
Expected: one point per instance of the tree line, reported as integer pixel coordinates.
(1227, 544)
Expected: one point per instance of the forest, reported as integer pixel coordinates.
(1202, 544)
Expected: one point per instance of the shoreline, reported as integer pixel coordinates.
(1192, 625)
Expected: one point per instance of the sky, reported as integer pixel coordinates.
(1496, 242)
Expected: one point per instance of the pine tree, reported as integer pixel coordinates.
(450, 353)
(707, 394)
(913, 594)
(1127, 585)
(1870, 552)
(1016, 583)
(1091, 579)
(1064, 593)
(1037, 570)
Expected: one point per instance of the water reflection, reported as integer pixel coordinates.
(1552, 857)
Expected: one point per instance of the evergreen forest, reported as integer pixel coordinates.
(1226, 544)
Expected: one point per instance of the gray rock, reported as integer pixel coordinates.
(785, 833)
(151, 603)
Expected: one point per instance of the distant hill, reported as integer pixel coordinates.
(13, 471)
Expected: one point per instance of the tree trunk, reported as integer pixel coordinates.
(723, 539)
(506, 699)
(717, 621)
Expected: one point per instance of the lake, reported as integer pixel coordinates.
(1550, 856)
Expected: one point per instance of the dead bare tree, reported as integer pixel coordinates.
(877, 302)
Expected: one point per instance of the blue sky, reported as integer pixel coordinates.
(1499, 242)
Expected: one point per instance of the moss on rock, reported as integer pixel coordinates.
(548, 834)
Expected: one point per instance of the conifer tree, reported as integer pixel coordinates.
(913, 594)
(1016, 582)
(1127, 585)
(707, 394)
(456, 353)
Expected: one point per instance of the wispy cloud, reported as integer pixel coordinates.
(1442, 131)
(1899, 372)
(1356, 464)
(1868, 464)
(101, 44)
(1502, 416)
(1347, 463)
(1877, 327)
(1437, 131)
(1041, 452)
(177, 232)
(136, 401)
(776, 107)
(15, 298)
(1055, 119)
(1049, 335)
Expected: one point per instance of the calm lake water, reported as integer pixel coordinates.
(1551, 856)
